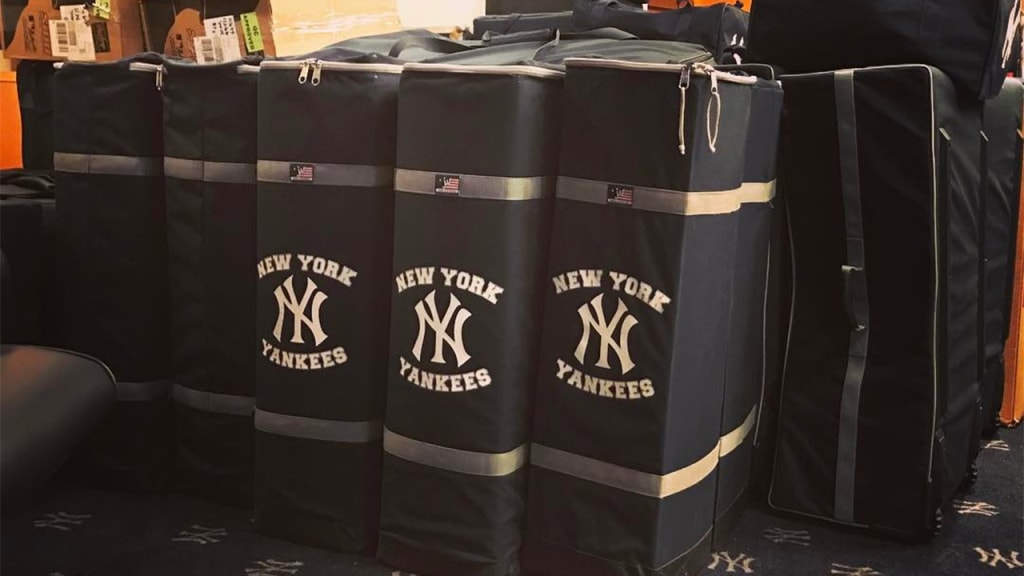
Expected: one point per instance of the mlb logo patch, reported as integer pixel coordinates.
(301, 173)
(620, 195)
(450, 184)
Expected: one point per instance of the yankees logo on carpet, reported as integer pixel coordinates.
(602, 362)
(303, 285)
(439, 355)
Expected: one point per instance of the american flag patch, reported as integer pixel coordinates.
(621, 195)
(301, 173)
(447, 184)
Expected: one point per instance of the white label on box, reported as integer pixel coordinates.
(208, 49)
(223, 27)
(72, 39)
(74, 13)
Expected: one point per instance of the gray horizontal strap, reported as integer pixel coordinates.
(622, 478)
(461, 461)
(668, 201)
(213, 402)
(317, 429)
(356, 175)
(476, 186)
(142, 391)
(734, 439)
(106, 164)
(222, 172)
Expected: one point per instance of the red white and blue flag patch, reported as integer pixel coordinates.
(301, 173)
(447, 184)
(621, 195)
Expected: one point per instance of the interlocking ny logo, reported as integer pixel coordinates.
(312, 300)
(426, 312)
(999, 445)
(731, 565)
(994, 558)
(844, 570)
(61, 521)
(273, 568)
(979, 508)
(200, 535)
(593, 318)
(782, 536)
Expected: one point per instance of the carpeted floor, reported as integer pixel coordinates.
(68, 531)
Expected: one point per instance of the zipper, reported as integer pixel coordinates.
(700, 68)
(684, 83)
(318, 67)
(156, 69)
(512, 70)
(304, 71)
(379, 68)
(685, 74)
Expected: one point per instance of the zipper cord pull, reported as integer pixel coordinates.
(317, 67)
(717, 98)
(684, 83)
(160, 78)
(304, 72)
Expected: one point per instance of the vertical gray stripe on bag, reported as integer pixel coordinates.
(855, 296)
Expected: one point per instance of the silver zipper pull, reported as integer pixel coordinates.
(304, 71)
(160, 78)
(684, 83)
(317, 68)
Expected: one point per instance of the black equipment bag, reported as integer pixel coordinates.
(632, 380)
(747, 368)
(326, 219)
(880, 398)
(512, 23)
(526, 6)
(28, 239)
(720, 28)
(472, 220)
(1001, 197)
(210, 169)
(112, 256)
(971, 42)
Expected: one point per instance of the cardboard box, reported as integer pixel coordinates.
(171, 26)
(27, 35)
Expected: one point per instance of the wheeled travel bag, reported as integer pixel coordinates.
(880, 397)
(722, 28)
(472, 220)
(112, 256)
(210, 169)
(1001, 183)
(637, 329)
(971, 42)
(326, 219)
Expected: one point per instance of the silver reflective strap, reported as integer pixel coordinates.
(317, 429)
(355, 175)
(855, 296)
(734, 439)
(622, 478)
(142, 391)
(106, 164)
(461, 461)
(476, 186)
(213, 402)
(657, 199)
(220, 172)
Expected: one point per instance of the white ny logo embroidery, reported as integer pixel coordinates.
(732, 565)
(426, 312)
(287, 301)
(781, 536)
(979, 508)
(271, 567)
(844, 570)
(200, 535)
(999, 445)
(593, 318)
(61, 521)
(994, 557)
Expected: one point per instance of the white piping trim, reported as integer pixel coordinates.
(143, 67)
(651, 67)
(935, 300)
(248, 69)
(512, 70)
(378, 68)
